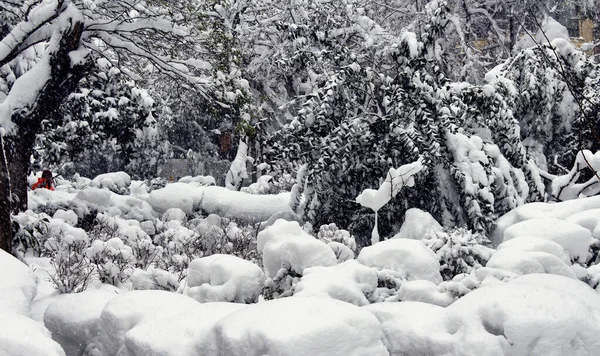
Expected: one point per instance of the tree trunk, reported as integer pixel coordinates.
(62, 80)
(18, 152)
(5, 202)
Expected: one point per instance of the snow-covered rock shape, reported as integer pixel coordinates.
(22, 336)
(18, 285)
(561, 210)
(115, 181)
(174, 214)
(285, 245)
(424, 291)
(224, 278)
(417, 223)
(74, 319)
(129, 309)
(410, 258)
(300, 326)
(188, 333)
(414, 328)
(528, 262)
(572, 237)
(534, 315)
(589, 219)
(218, 200)
(526, 255)
(349, 282)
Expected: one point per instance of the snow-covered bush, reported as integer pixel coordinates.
(67, 247)
(154, 279)
(112, 259)
(458, 250)
(32, 232)
(331, 233)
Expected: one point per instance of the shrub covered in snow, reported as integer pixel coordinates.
(458, 250)
(331, 233)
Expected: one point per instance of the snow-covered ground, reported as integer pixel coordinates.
(276, 289)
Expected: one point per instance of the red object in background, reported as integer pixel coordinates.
(42, 183)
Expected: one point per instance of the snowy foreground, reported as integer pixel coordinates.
(532, 297)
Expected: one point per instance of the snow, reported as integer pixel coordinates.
(74, 319)
(535, 315)
(116, 181)
(410, 38)
(560, 210)
(424, 291)
(410, 258)
(129, 309)
(174, 214)
(589, 219)
(551, 30)
(527, 262)
(22, 336)
(190, 332)
(285, 245)
(224, 278)
(572, 237)
(18, 285)
(417, 223)
(395, 180)
(350, 282)
(218, 200)
(237, 172)
(414, 328)
(300, 326)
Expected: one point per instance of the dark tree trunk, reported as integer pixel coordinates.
(18, 151)
(19, 143)
(5, 203)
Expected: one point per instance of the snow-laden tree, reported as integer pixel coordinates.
(361, 122)
(108, 124)
(478, 34)
(52, 42)
(550, 88)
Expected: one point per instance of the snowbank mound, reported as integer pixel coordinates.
(129, 309)
(74, 319)
(572, 237)
(410, 258)
(285, 245)
(188, 333)
(18, 285)
(525, 255)
(414, 328)
(561, 210)
(349, 282)
(224, 278)
(299, 326)
(21, 336)
(218, 200)
(534, 315)
(417, 223)
(117, 182)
